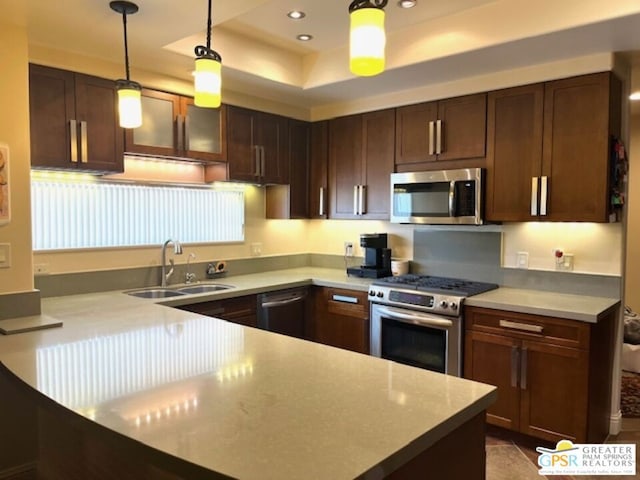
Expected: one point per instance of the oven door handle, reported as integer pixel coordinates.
(414, 318)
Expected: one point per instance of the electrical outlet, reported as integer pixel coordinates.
(256, 249)
(41, 269)
(348, 249)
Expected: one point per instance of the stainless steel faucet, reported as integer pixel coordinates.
(177, 249)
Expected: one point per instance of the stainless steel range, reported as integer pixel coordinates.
(417, 320)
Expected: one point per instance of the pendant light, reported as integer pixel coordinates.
(208, 75)
(129, 102)
(367, 37)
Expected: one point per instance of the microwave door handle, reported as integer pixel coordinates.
(431, 138)
(452, 199)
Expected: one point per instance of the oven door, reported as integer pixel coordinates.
(419, 339)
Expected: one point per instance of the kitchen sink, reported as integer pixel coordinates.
(203, 288)
(155, 293)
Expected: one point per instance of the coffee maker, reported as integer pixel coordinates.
(377, 257)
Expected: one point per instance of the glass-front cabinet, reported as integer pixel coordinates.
(173, 126)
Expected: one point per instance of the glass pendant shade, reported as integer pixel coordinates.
(208, 82)
(367, 41)
(129, 107)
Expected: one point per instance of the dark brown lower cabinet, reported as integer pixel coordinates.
(341, 318)
(553, 375)
(241, 310)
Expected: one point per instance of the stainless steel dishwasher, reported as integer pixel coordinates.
(284, 311)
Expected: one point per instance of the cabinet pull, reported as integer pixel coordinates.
(179, 133)
(523, 369)
(256, 158)
(215, 311)
(84, 149)
(262, 162)
(543, 195)
(355, 199)
(525, 327)
(321, 209)
(361, 199)
(438, 137)
(515, 353)
(73, 140)
(534, 196)
(344, 299)
(431, 135)
(185, 134)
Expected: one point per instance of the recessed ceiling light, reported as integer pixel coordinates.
(304, 37)
(635, 96)
(407, 3)
(296, 14)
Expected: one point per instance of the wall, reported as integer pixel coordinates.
(14, 131)
(632, 271)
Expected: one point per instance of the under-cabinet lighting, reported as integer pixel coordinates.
(635, 95)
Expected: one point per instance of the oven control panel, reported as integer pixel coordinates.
(437, 303)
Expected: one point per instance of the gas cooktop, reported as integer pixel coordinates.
(432, 284)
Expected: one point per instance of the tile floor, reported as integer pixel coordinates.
(511, 456)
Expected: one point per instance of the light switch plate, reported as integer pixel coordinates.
(522, 260)
(5, 255)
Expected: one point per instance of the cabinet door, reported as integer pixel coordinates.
(554, 397)
(51, 109)
(162, 127)
(494, 359)
(464, 122)
(379, 145)
(345, 164)
(412, 133)
(576, 148)
(514, 152)
(241, 154)
(101, 138)
(319, 159)
(204, 131)
(271, 133)
(241, 310)
(340, 323)
(299, 133)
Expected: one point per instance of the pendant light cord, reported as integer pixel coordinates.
(202, 51)
(126, 47)
(209, 27)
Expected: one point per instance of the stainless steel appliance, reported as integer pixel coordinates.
(377, 257)
(284, 311)
(417, 320)
(438, 197)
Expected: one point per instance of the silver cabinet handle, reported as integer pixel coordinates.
(543, 195)
(523, 368)
(525, 327)
(438, 137)
(361, 199)
(256, 159)
(180, 132)
(534, 196)
(515, 353)
(356, 189)
(73, 140)
(431, 140)
(321, 209)
(185, 134)
(84, 149)
(344, 299)
(262, 162)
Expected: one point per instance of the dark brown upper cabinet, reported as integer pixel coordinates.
(74, 121)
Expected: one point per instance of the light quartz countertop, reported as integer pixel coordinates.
(573, 307)
(236, 400)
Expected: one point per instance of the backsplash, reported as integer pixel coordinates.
(477, 255)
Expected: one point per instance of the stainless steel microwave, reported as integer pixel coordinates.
(442, 197)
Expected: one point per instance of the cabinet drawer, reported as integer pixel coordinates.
(551, 330)
(240, 310)
(347, 302)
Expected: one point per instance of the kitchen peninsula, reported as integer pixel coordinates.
(128, 388)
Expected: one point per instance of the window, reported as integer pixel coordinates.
(94, 214)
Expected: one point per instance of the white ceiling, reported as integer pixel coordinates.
(435, 42)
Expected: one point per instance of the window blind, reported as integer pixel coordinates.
(92, 215)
